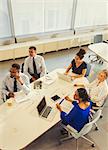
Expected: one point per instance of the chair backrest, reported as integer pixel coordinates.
(22, 67)
(86, 129)
(88, 69)
(98, 38)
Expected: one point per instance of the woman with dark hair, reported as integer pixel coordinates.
(79, 115)
(77, 65)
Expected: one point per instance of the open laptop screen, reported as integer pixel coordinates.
(41, 106)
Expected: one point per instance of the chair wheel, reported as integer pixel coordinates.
(96, 128)
(101, 116)
(59, 142)
(93, 145)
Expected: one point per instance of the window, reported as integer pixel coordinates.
(5, 30)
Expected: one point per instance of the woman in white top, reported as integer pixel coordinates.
(98, 88)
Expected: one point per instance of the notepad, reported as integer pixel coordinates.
(21, 96)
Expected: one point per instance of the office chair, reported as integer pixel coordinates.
(85, 130)
(94, 57)
(88, 69)
(22, 67)
(101, 107)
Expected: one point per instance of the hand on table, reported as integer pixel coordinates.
(58, 107)
(11, 94)
(66, 73)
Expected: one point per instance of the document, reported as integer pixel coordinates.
(21, 96)
(66, 106)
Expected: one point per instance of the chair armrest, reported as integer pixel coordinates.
(71, 129)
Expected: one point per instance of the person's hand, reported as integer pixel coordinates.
(72, 77)
(18, 78)
(33, 78)
(80, 85)
(66, 73)
(58, 107)
(11, 94)
(67, 98)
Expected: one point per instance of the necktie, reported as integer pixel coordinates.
(15, 85)
(34, 66)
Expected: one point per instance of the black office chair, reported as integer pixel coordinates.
(94, 57)
(22, 67)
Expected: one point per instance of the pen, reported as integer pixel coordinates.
(61, 101)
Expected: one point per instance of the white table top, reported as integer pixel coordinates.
(20, 123)
(101, 49)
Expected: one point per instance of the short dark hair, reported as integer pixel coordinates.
(83, 94)
(17, 66)
(81, 53)
(32, 47)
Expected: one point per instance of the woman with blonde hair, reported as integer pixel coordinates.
(98, 89)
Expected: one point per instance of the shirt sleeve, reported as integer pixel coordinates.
(26, 85)
(4, 89)
(73, 62)
(84, 65)
(26, 67)
(43, 67)
(90, 85)
(102, 94)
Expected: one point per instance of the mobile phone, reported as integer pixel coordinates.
(55, 97)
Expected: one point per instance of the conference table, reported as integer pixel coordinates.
(20, 123)
(101, 49)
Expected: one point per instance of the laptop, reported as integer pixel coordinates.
(64, 77)
(45, 111)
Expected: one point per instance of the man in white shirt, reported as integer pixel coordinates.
(34, 65)
(14, 82)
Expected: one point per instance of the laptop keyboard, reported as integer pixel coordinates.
(47, 111)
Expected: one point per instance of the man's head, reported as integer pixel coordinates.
(32, 51)
(15, 69)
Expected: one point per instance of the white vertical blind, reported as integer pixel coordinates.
(5, 30)
(28, 16)
(39, 16)
(91, 13)
(58, 14)
(35, 16)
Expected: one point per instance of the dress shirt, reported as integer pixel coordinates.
(8, 84)
(99, 92)
(40, 66)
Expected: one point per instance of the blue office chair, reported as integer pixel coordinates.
(88, 70)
